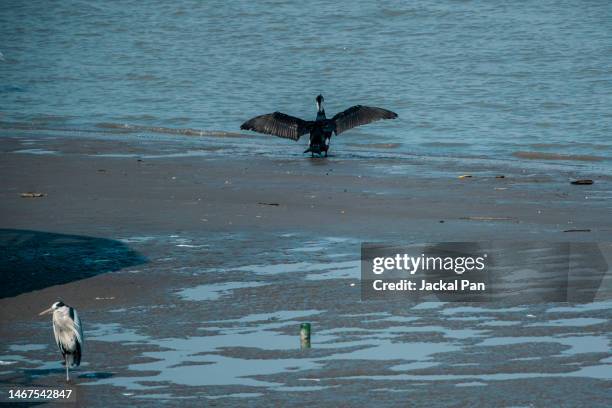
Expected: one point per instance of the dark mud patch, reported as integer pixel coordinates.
(35, 259)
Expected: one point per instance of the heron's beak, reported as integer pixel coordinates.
(44, 312)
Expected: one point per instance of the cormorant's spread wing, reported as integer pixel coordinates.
(278, 124)
(360, 115)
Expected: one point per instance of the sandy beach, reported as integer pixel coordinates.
(192, 275)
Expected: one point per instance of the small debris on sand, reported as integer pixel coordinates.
(488, 218)
(578, 230)
(32, 195)
(582, 182)
(272, 204)
(465, 176)
(500, 176)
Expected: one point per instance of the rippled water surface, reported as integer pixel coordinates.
(526, 81)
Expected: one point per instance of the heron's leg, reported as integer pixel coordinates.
(67, 369)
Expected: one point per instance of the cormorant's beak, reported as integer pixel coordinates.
(44, 312)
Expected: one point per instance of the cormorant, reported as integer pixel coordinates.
(321, 129)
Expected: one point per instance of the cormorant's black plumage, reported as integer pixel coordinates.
(359, 115)
(321, 129)
(279, 124)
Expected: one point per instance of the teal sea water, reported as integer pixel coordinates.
(527, 83)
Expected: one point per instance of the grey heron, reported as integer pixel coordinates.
(68, 333)
(321, 129)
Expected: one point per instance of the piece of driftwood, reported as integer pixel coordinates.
(32, 195)
(483, 218)
(582, 182)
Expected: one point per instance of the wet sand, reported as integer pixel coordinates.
(234, 252)
(112, 187)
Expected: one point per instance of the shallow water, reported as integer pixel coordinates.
(471, 81)
(226, 336)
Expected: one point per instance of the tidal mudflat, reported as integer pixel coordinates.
(203, 267)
